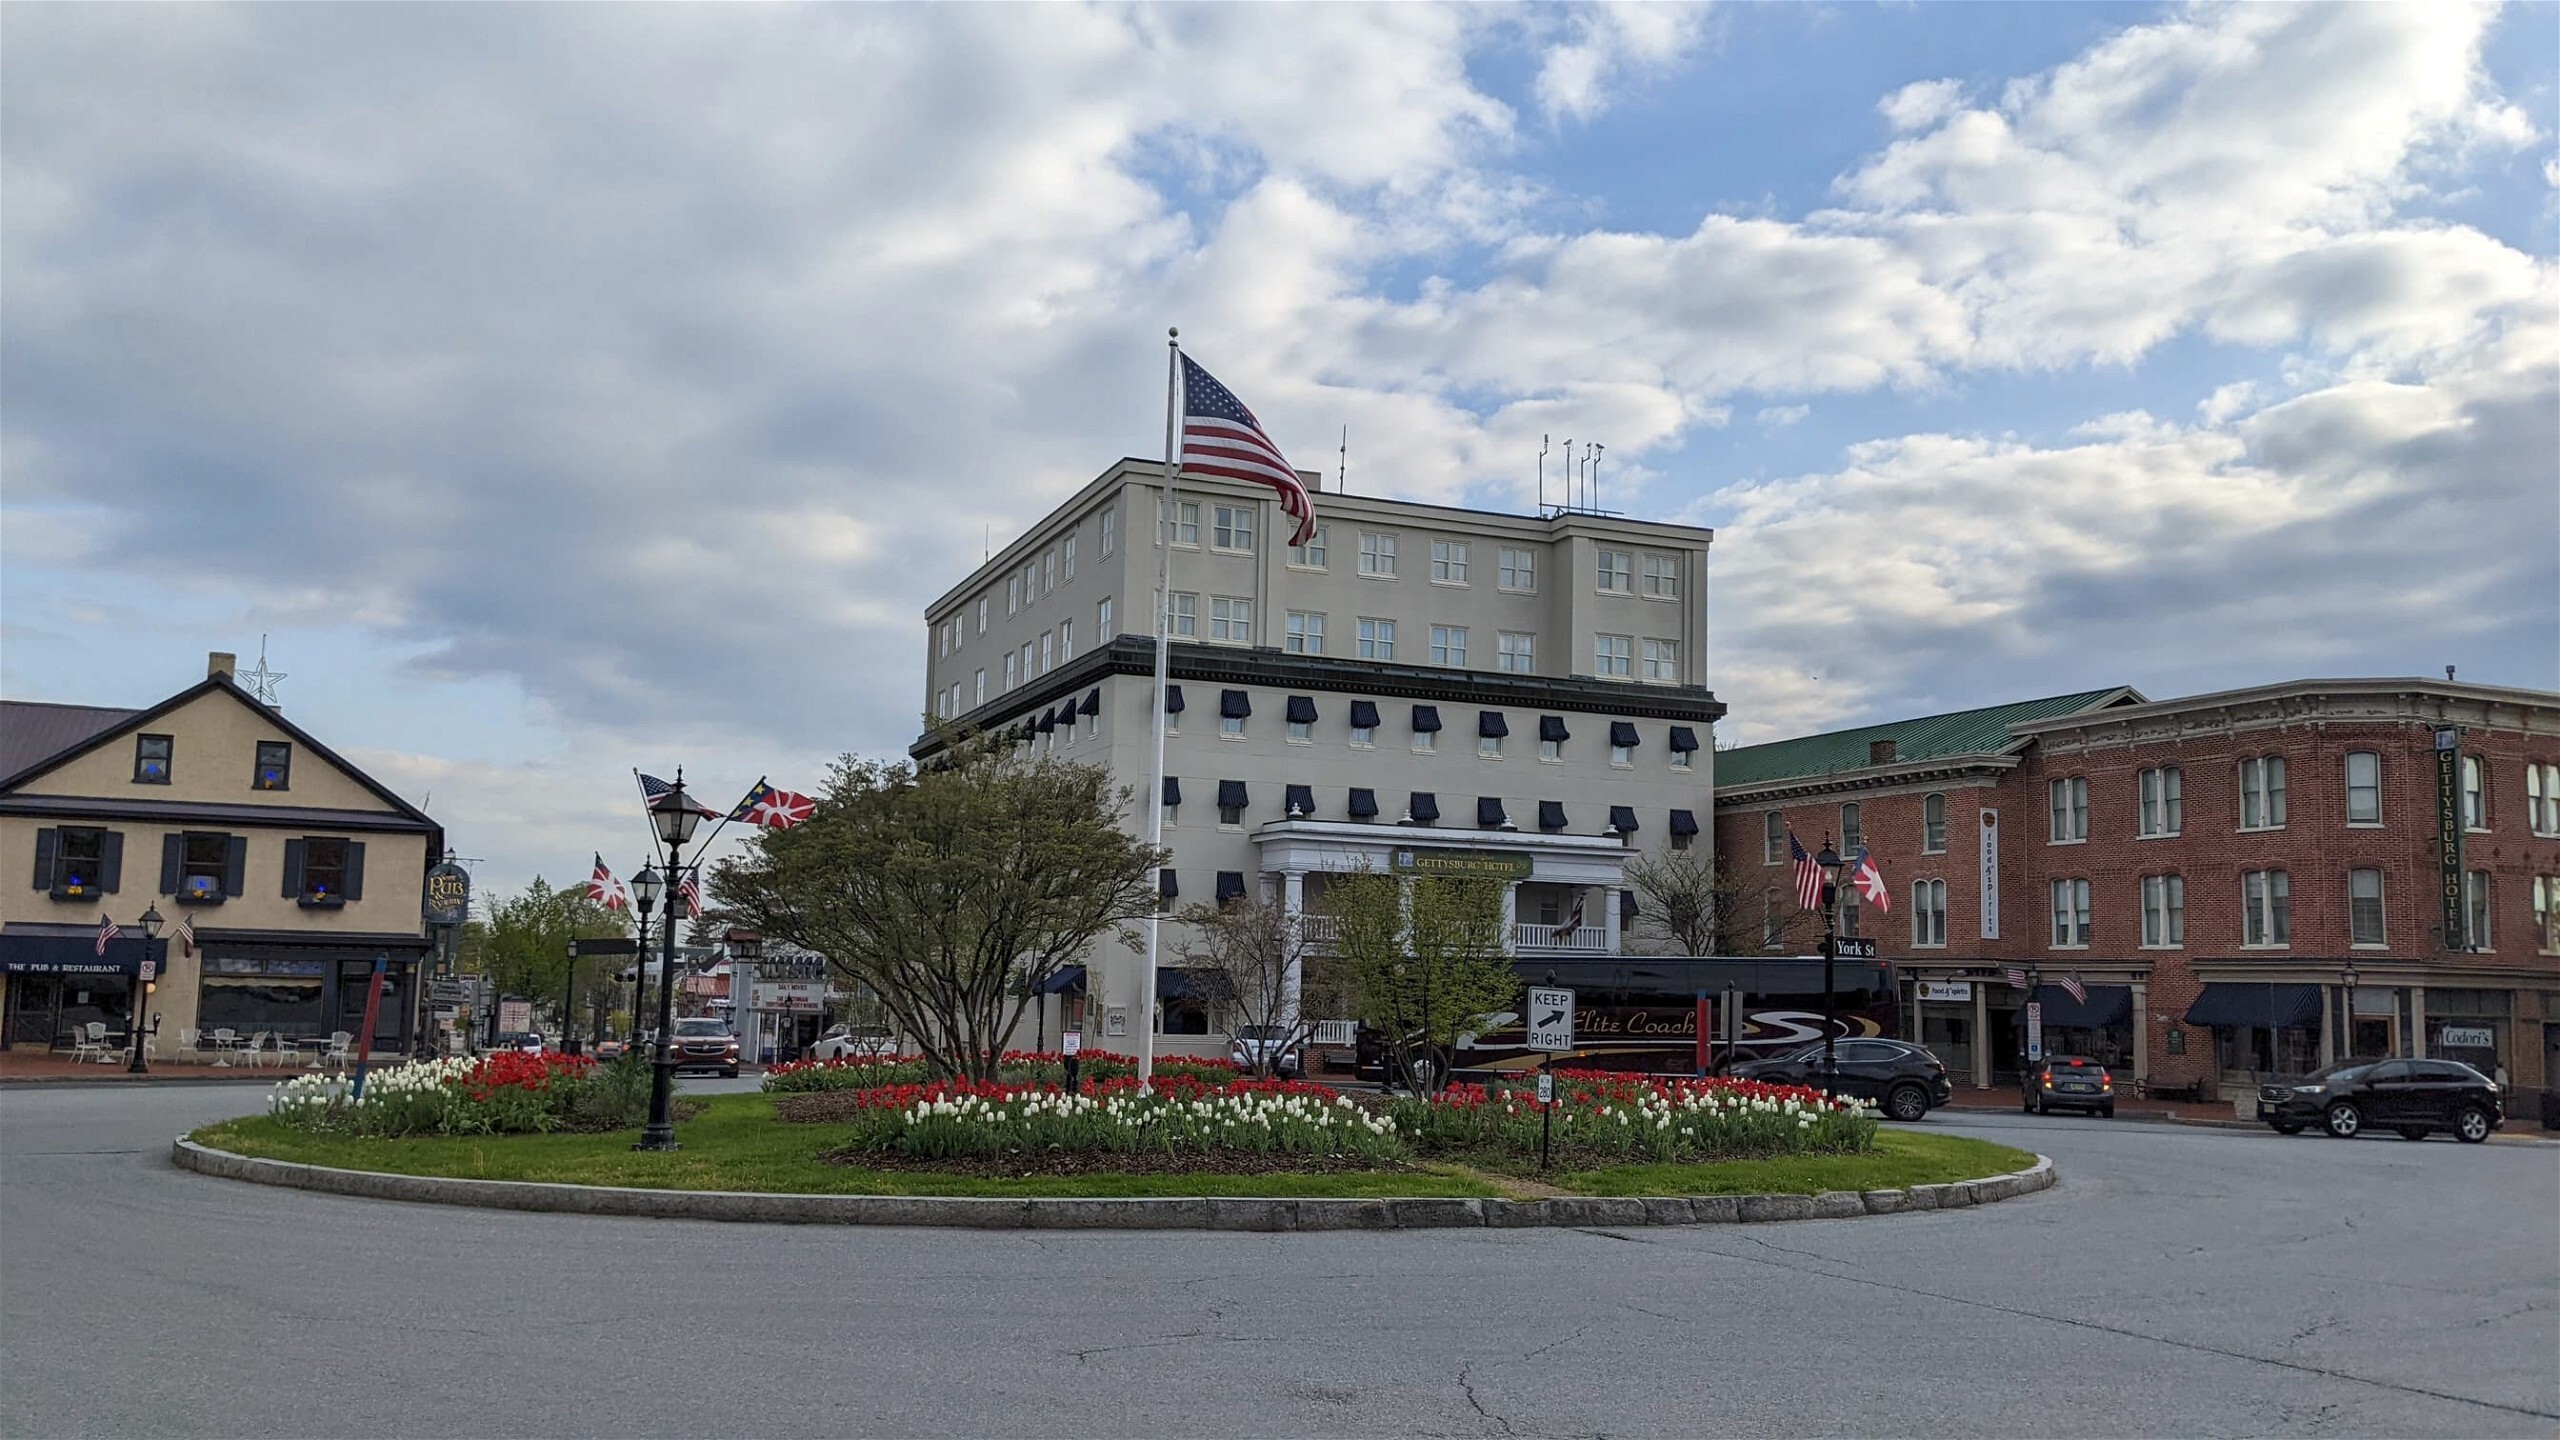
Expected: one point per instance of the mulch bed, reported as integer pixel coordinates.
(1019, 1166)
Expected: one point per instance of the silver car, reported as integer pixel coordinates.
(1285, 1049)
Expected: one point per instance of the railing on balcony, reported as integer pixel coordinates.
(1334, 1032)
(1316, 929)
(1585, 939)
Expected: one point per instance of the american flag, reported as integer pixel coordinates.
(2071, 986)
(651, 787)
(606, 891)
(1572, 921)
(1808, 874)
(1221, 437)
(187, 934)
(2016, 977)
(690, 887)
(106, 931)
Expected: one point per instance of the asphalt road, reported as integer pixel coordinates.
(2178, 1282)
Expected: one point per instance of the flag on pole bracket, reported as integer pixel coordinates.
(2016, 977)
(690, 887)
(1220, 437)
(605, 890)
(774, 809)
(186, 934)
(2071, 986)
(107, 930)
(1808, 874)
(1870, 881)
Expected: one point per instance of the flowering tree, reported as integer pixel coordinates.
(951, 890)
(1423, 962)
(1258, 966)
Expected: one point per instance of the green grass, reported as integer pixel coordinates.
(735, 1143)
(1900, 1160)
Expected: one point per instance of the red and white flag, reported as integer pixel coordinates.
(1808, 874)
(774, 809)
(106, 931)
(606, 891)
(186, 934)
(690, 887)
(1221, 437)
(1572, 921)
(1870, 882)
(2071, 986)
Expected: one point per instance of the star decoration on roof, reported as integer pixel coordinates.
(261, 682)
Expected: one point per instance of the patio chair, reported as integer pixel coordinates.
(342, 1048)
(255, 1052)
(85, 1043)
(109, 1050)
(187, 1040)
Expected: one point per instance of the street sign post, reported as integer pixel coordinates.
(2035, 1031)
(1855, 947)
(1550, 1026)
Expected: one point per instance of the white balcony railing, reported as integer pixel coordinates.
(1334, 1032)
(1585, 939)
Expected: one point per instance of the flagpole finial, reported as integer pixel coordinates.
(1173, 332)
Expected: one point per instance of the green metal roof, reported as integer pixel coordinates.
(1965, 732)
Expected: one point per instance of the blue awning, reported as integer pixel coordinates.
(1424, 807)
(1092, 702)
(2242, 1005)
(1231, 795)
(1230, 885)
(1683, 738)
(1172, 790)
(1062, 980)
(41, 948)
(1166, 886)
(1489, 812)
(1173, 699)
(1298, 800)
(2107, 1005)
(1622, 732)
(1426, 718)
(1176, 985)
(1302, 709)
(1551, 727)
(1551, 815)
(1684, 822)
(1622, 818)
(1490, 724)
(1364, 804)
(1235, 704)
(1364, 714)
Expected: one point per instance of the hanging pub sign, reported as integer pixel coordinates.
(448, 895)
(2449, 835)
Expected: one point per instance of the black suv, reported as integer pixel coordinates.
(1905, 1079)
(2414, 1097)
(2067, 1082)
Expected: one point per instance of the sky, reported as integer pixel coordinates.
(562, 389)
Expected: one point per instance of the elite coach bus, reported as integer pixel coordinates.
(1677, 1015)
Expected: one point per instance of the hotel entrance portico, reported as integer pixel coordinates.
(1561, 893)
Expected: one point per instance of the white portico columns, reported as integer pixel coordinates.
(1609, 908)
(1293, 907)
(1511, 917)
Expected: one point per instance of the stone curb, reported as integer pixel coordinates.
(1210, 1213)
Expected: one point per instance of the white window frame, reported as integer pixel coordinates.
(2266, 910)
(2262, 787)
(1183, 618)
(1185, 529)
(1049, 573)
(1009, 680)
(2347, 773)
(1313, 555)
(1933, 832)
(1231, 529)
(1661, 662)
(980, 688)
(1449, 646)
(1364, 737)
(2071, 915)
(1680, 759)
(1488, 747)
(1426, 742)
(1928, 914)
(1551, 751)
(1012, 595)
(1301, 733)
(1613, 656)
(1448, 562)
(1378, 554)
(2542, 797)
(1303, 632)
(2475, 794)
(2479, 910)
(1613, 572)
(2067, 810)
(1048, 659)
(2164, 912)
(1622, 757)
(1377, 638)
(1108, 523)
(2546, 930)
(1853, 830)
(1230, 620)
(1230, 727)
(2381, 912)
(1516, 570)
(1773, 837)
(1515, 652)
(1662, 577)
(2160, 804)
(1070, 550)
(1102, 619)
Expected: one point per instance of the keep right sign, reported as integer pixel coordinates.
(1550, 1019)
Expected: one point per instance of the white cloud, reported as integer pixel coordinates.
(1779, 416)
(1921, 104)
(1609, 39)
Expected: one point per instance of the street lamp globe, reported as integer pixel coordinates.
(646, 887)
(1829, 860)
(150, 923)
(675, 815)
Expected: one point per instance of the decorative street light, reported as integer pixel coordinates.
(675, 816)
(2347, 1012)
(745, 947)
(143, 979)
(1829, 860)
(645, 889)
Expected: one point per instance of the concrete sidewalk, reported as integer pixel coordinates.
(2221, 1115)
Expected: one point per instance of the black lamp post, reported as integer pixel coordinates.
(645, 889)
(745, 948)
(675, 816)
(1829, 860)
(142, 984)
(2347, 1012)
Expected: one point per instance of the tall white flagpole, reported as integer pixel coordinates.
(1168, 520)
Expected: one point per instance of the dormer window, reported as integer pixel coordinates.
(275, 766)
(151, 755)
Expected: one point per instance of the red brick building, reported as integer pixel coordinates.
(2247, 881)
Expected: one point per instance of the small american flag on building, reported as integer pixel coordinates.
(1221, 437)
(106, 931)
(187, 934)
(1808, 874)
(2072, 987)
(2017, 978)
(690, 887)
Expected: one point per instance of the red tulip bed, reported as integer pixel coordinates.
(1208, 1123)
(506, 1093)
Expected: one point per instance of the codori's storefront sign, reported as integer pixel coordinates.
(1462, 864)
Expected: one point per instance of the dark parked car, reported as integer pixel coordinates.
(2414, 1097)
(2067, 1082)
(1906, 1080)
(703, 1044)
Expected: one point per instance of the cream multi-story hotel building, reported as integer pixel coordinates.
(1418, 682)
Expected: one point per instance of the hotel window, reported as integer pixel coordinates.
(2542, 799)
(1172, 798)
(1049, 573)
(1849, 910)
(1186, 614)
(1551, 737)
(1364, 736)
(1102, 631)
(981, 689)
(1622, 743)
(1027, 671)
(151, 755)
(1426, 729)
(1773, 921)
(1377, 639)
(983, 603)
(1231, 801)
(2364, 907)
(2266, 908)
(1306, 632)
(2070, 914)
(1231, 527)
(1933, 824)
(1310, 555)
(2162, 796)
(1517, 569)
(1662, 661)
(1852, 834)
(941, 640)
(1364, 723)
(1613, 654)
(1301, 719)
(1048, 652)
(2475, 910)
(1929, 914)
(1110, 525)
(1377, 554)
(2546, 916)
(2364, 788)
(1012, 595)
(1071, 556)
(1449, 562)
(1449, 645)
(1491, 730)
(1008, 671)
(2475, 793)
(275, 766)
(1234, 706)
(2262, 793)
(1067, 639)
(1679, 758)
(1616, 574)
(1186, 522)
(1231, 619)
(1515, 652)
(1773, 837)
(2070, 809)
(2164, 911)
(1662, 577)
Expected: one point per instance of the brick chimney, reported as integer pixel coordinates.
(1880, 752)
(222, 663)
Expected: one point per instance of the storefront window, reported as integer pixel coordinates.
(2470, 1026)
(249, 993)
(2281, 1052)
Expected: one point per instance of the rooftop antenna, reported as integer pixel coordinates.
(2448, 674)
(1596, 448)
(1568, 476)
(986, 542)
(1342, 475)
(1542, 474)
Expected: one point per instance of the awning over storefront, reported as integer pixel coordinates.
(1062, 980)
(1174, 984)
(2107, 1005)
(35, 948)
(2240, 1005)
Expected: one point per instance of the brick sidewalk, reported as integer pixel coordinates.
(38, 1067)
